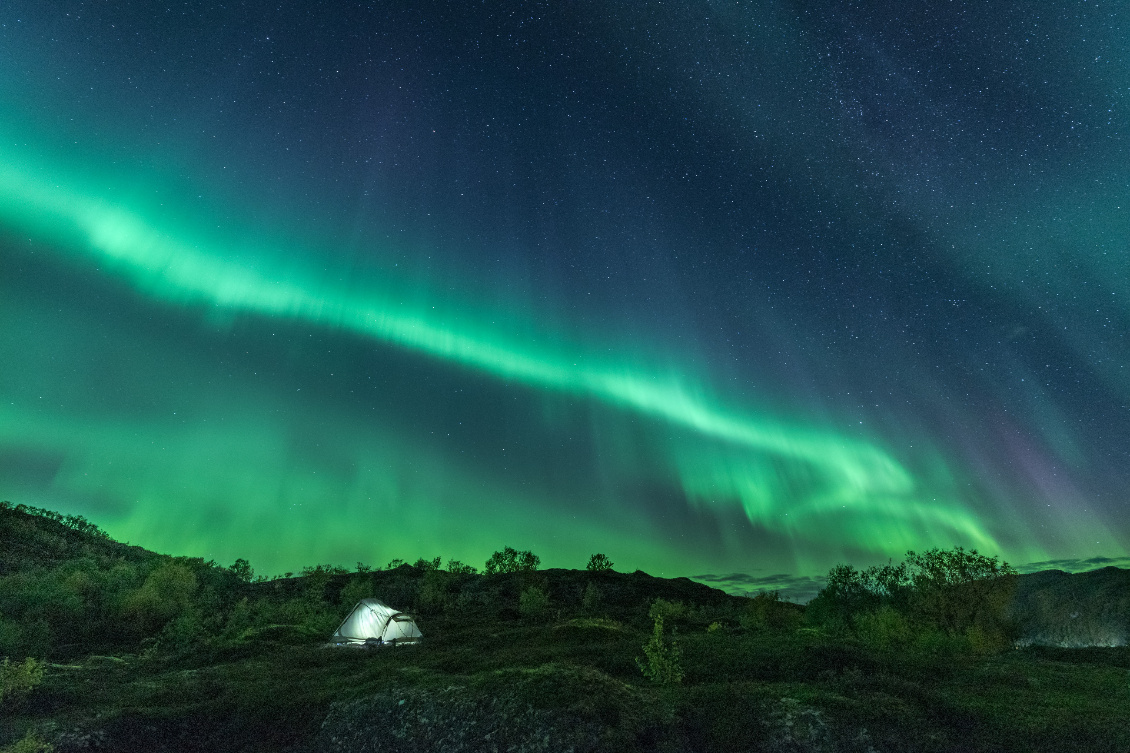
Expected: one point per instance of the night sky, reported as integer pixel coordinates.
(742, 287)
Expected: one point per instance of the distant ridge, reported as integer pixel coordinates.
(33, 538)
(1074, 610)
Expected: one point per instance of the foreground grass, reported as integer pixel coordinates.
(742, 691)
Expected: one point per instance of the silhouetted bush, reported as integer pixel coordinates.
(509, 560)
(599, 563)
(458, 568)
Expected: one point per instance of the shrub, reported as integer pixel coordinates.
(883, 630)
(509, 560)
(533, 602)
(166, 593)
(359, 587)
(433, 591)
(423, 564)
(591, 598)
(238, 619)
(17, 680)
(181, 631)
(766, 611)
(663, 610)
(662, 663)
(599, 563)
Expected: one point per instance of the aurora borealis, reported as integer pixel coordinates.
(707, 287)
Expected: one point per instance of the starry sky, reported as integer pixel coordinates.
(746, 288)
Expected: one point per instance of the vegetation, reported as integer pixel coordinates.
(952, 598)
(533, 602)
(112, 647)
(510, 560)
(599, 563)
(19, 679)
(662, 658)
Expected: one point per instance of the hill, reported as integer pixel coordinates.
(144, 651)
(1074, 609)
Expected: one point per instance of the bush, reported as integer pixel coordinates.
(599, 563)
(423, 564)
(509, 560)
(662, 664)
(664, 610)
(591, 599)
(433, 591)
(533, 602)
(166, 593)
(883, 630)
(181, 632)
(17, 680)
(766, 611)
(29, 743)
(359, 587)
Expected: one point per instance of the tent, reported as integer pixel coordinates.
(372, 622)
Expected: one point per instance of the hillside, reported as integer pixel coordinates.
(150, 652)
(1074, 609)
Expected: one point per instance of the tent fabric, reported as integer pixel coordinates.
(372, 620)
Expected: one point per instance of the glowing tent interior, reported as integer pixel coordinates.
(372, 622)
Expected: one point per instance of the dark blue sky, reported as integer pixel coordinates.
(697, 267)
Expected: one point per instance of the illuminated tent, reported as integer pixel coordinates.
(373, 622)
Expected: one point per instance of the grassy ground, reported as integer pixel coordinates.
(273, 695)
(145, 652)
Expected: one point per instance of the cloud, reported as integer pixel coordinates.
(1075, 565)
(802, 588)
(798, 588)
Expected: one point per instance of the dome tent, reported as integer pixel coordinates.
(372, 622)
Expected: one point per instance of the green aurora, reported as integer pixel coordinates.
(201, 382)
(811, 485)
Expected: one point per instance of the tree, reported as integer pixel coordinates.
(957, 591)
(510, 560)
(599, 563)
(766, 611)
(954, 592)
(458, 568)
(241, 569)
